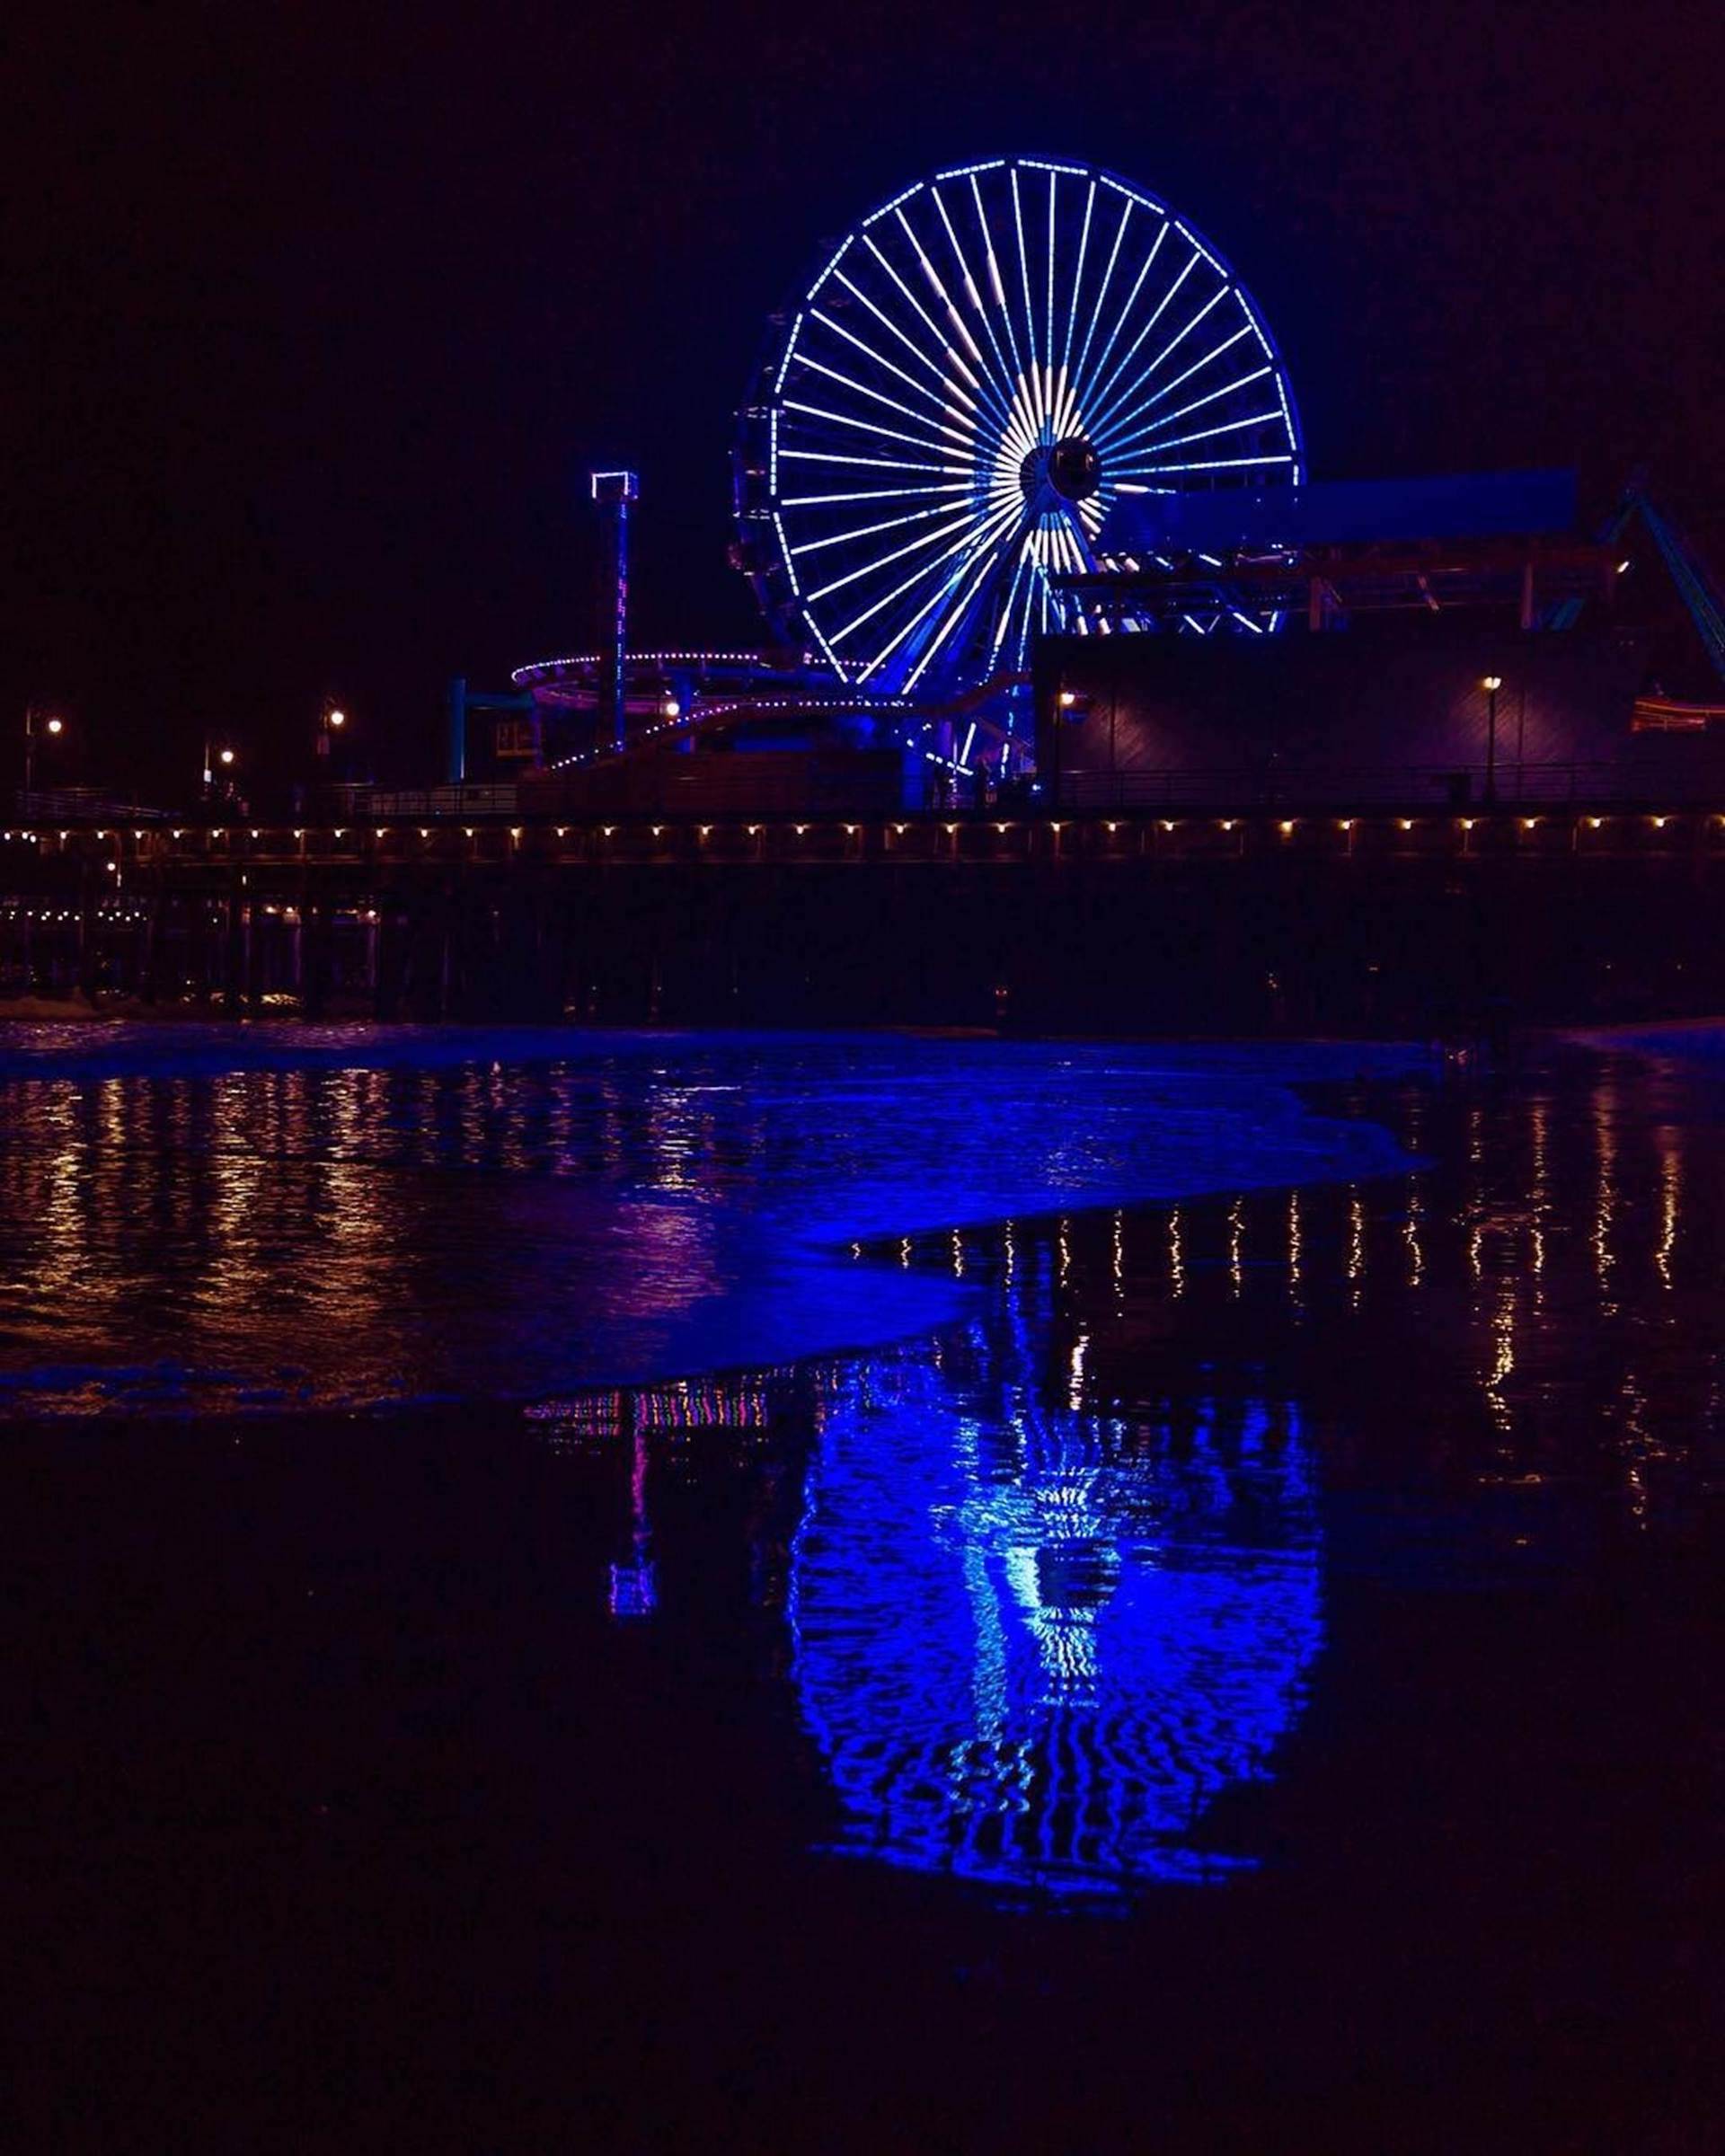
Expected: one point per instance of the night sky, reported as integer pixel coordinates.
(315, 317)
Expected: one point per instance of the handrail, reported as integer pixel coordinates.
(1452, 785)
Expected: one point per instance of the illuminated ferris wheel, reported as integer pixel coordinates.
(984, 365)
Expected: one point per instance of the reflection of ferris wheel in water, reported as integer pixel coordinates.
(982, 367)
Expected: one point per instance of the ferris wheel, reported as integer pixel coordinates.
(984, 365)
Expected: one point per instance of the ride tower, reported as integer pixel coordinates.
(615, 492)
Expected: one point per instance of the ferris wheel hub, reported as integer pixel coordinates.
(1070, 468)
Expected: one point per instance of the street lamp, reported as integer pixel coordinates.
(37, 722)
(330, 723)
(223, 759)
(1491, 684)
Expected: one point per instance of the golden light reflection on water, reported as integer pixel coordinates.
(1295, 1248)
(1670, 1189)
(1606, 1201)
(1355, 1246)
(1503, 1356)
(299, 1233)
(294, 1234)
(1544, 1289)
(1410, 1237)
(1075, 1371)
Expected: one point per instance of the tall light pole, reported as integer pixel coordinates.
(1491, 684)
(222, 760)
(330, 724)
(38, 722)
(614, 491)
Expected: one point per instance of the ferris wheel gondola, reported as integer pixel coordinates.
(980, 368)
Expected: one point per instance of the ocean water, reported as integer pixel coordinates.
(209, 1217)
(657, 1592)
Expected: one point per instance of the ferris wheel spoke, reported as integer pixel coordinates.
(1097, 401)
(971, 537)
(917, 308)
(810, 501)
(950, 389)
(881, 463)
(869, 531)
(1076, 537)
(1048, 344)
(1222, 464)
(1101, 290)
(1114, 435)
(917, 351)
(1067, 411)
(1198, 366)
(952, 620)
(1206, 434)
(945, 297)
(1030, 306)
(1018, 597)
(876, 563)
(985, 542)
(997, 287)
(1122, 415)
(1078, 275)
(1148, 373)
(877, 396)
(846, 418)
(1004, 619)
(1092, 397)
(974, 293)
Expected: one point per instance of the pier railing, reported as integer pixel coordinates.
(1352, 785)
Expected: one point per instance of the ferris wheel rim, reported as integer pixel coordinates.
(973, 415)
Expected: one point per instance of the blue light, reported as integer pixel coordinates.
(1035, 1642)
(929, 360)
(1126, 358)
(1112, 436)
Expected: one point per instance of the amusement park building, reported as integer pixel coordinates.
(1447, 640)
(1319, 642)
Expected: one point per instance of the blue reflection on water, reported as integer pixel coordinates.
(1035, 1642)
(195, 1219)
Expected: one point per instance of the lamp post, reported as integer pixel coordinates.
(1491, 684)
(38, 722)
(330, 724)
(222, 760)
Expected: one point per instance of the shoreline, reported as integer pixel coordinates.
(1100, 1128)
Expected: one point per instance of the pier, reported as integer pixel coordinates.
(1183, 919)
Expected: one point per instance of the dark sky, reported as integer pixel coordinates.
(315, 316)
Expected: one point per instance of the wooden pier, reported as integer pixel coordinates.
(1257, 921)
